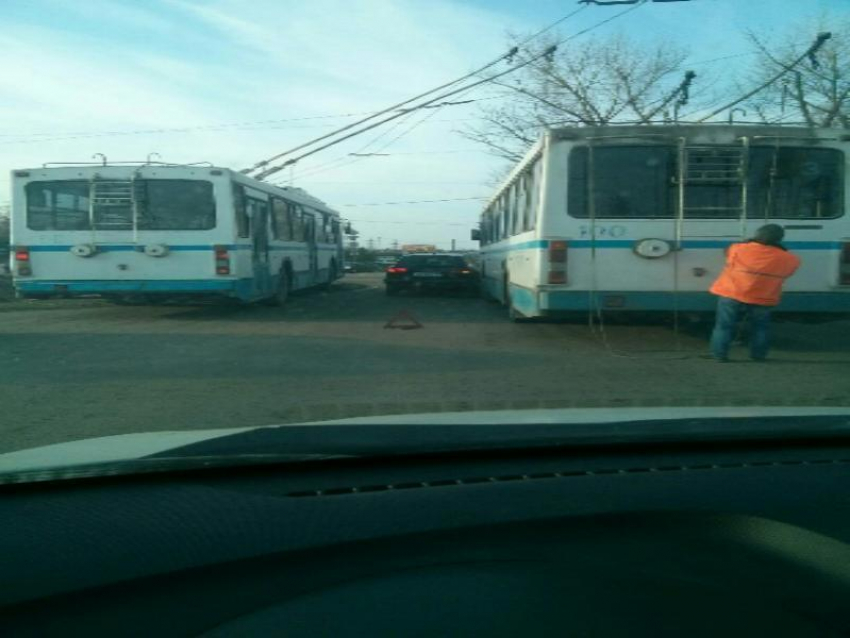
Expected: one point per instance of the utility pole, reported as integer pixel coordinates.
(453, 245)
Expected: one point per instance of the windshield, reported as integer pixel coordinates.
(217, 216)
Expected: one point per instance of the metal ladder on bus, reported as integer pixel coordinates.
(115, 194)
(712, 165)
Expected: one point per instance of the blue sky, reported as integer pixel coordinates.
(242, 81)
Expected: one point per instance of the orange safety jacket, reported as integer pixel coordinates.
(754, 273)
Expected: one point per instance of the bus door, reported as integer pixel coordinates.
(259, 213)
(312, 249)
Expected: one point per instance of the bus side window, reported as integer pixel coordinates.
(512, 205)
(309, 226)
(243, 224)
(528, 201)
(534, 192)
(503, 219)
(280, 220)
(519, 199)
(322, 229)
(298, 227)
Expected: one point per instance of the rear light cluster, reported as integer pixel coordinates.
(396, 269)
(844, 273)
(557, 262)
(23, 265)
(222, 260)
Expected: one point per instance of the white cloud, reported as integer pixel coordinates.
(132, 69)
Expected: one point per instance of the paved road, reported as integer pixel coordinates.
(76, 369)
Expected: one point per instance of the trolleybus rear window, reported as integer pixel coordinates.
(161, 204)
(642, 182)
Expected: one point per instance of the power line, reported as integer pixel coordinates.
(545, 54)
(418, 201)
(182, 129)
(408, 223)
(266, 162)
(808, 53)
(405, 132)
(551, 26)
(274, 169)
(362, 151)
(429, 104)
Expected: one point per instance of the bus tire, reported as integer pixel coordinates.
(484, 290)
(281, 295)
(514, 315)
(331, 276)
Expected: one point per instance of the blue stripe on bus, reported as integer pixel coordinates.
(685, 301)
(162, 285)
(526, 245)
(186, 247)
(133, 247)
(687, 243)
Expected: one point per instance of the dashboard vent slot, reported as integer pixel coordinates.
(475, 480)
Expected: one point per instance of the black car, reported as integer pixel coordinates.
(450, 272)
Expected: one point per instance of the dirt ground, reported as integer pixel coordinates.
(83, 368)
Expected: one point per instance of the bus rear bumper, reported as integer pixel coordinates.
(107, 288)
(554, 301)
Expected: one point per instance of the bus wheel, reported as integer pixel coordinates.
(282, 294)
(484, 290)
(513, 314)
(331, 276)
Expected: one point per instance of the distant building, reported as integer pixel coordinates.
(419, 248)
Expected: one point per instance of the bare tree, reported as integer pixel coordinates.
(816, 92)
(591, 82)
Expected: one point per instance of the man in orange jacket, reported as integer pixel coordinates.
(751, 284)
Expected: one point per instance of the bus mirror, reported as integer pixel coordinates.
(475, 235)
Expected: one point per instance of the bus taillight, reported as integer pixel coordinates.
(557, 262)
(222, 260)
(23, 266)
(844, 273)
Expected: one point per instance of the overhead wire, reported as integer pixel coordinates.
(266, 162)
(808, 53)
(345, 160)
(418, 201)
(274, 169)
(508, 56)
(378, 151)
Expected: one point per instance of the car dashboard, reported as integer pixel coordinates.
(734, 538)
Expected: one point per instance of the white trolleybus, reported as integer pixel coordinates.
(160, 231)
(636, 218)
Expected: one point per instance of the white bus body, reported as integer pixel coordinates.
(150, 232)
(636, 218)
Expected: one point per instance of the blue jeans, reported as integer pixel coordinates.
(729, 314)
